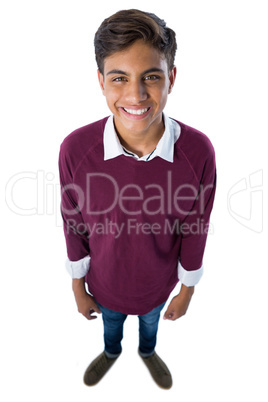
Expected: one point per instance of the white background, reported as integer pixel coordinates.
(49, 87)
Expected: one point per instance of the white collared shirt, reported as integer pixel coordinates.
(164, 148)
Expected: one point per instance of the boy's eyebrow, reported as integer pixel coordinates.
(150, 70)
(153, 70)
(117, 72)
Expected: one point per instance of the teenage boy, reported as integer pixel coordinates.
(137, 192)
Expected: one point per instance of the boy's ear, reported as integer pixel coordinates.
(172, 78)
(101, 81)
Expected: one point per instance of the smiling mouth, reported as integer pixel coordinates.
(136, 112)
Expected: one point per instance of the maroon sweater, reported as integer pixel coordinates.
(135, 219)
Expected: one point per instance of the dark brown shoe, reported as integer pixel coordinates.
(158, 370)
(97, 369)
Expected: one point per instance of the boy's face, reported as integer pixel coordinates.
(136, 83)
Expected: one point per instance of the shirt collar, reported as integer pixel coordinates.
(164, 148)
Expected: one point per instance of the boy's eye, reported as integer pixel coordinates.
(119, 79)
(151, 78)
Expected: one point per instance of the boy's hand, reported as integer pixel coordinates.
(179, 304)
(87, 306)
(85, 303)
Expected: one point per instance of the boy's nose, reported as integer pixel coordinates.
(136, 92)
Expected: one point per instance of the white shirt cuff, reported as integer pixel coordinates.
(78, 269)
(189, 278)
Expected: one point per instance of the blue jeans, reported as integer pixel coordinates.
(113, 323)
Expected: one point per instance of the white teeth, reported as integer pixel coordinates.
(139, 111)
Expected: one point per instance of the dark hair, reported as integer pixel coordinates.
(123, 28)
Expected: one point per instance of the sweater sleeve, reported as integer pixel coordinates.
(76, 235)
(194, 228)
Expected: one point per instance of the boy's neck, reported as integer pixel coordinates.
(143, 143)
